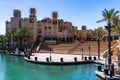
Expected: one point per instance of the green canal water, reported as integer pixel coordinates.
(16, 68)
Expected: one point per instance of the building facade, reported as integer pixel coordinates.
(85, 33)
(46, 29)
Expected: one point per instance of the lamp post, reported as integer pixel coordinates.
(50, 54)
(89, 50)
(82, 53)
(105, 62)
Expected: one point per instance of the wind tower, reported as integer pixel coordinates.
(33, 22)
(55, 23)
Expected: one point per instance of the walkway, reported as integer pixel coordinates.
(55, 57)
(44, 58)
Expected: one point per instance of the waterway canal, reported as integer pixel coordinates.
(16, 68)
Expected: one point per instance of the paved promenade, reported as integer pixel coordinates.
(55, 57)
(59, 59)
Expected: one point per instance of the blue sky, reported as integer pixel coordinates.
(79, 12)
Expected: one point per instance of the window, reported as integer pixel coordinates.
(45, 27)
(31, 20)
(39, 36)
(44, 21)
(55, 22)
(39, 32)
(49, 27)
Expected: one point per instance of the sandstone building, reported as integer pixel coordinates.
(46, 29)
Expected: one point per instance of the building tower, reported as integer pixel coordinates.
(15, 21)
(55, 24)
(55, 18)
(33, 22)
(17, 13)
(84, 27)
(32, 15)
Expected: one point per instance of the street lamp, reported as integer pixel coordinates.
(82, 53)
(50, 54)
(89, 50)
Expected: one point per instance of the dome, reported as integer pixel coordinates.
(46, 18)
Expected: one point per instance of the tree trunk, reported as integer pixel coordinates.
(8, 42)
(13, 44)
(98, 48)
(119, 60)
(109, 44)
(20, 43)
(119, 42)
(118, 55)
(2, 44)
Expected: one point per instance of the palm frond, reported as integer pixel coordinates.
(101, 20)
(98, 33)
(116, 28)
(115, 13)
(109, 15)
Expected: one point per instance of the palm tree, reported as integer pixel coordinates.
(27, 33)
(75, 30)
(12, 33)
(8, 38)
(109, 15)
(116, 28)
(98, 33)
(19, 38)
(22, 33)
(3, 42)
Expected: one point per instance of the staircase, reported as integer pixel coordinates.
(44, 48)
(64, 48)
(35, 46)
(93, 48)
(72, 48)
